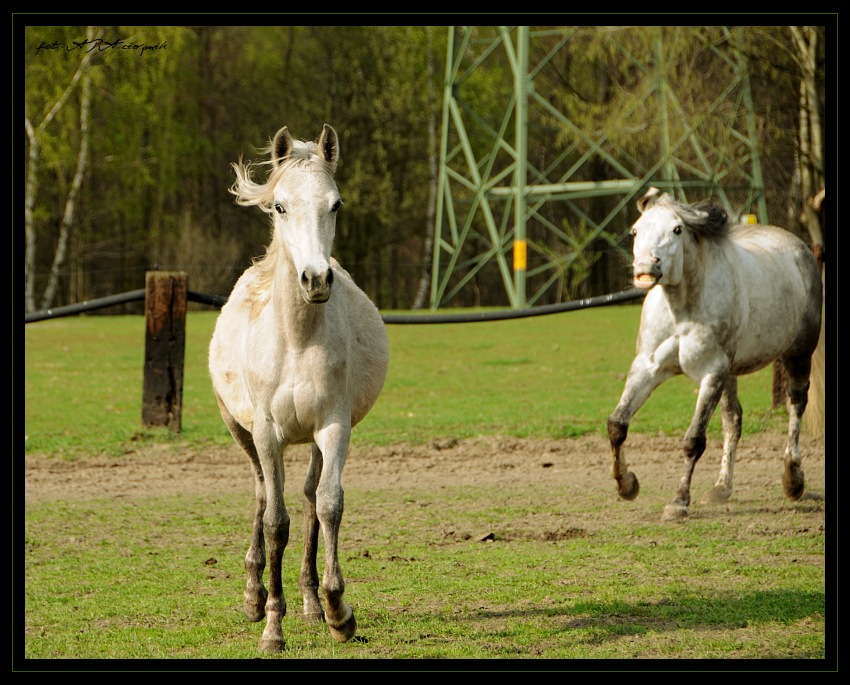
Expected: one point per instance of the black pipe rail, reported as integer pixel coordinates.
(218, 301)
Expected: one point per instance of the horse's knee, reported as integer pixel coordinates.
(694, 446)
(617, 431)
(329, 512)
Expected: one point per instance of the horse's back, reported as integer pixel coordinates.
(762, 297)
(369, 347)
(229, 338)
(771, 250)
(778, 266)
(780, 285)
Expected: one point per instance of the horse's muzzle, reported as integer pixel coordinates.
(647, 272)
(316, 288)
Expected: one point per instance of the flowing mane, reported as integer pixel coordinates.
(705, 218)
(250, 193)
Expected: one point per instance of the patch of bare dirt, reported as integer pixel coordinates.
(584, 463)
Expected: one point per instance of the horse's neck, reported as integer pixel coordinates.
(298, 319)
(688, 294)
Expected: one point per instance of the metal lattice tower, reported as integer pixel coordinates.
(493, 199)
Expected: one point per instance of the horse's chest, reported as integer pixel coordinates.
(310, 386)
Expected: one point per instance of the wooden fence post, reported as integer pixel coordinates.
(165, 342)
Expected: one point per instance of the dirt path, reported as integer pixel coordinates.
(583, 462)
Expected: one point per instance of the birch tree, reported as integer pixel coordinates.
(35, 132)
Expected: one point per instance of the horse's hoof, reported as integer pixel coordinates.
(674, 512)
(794, 483)
(274, 645)
(629, 487)
(344, 630)
(719, 494)
(313, 617)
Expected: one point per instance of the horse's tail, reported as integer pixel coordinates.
(814, 420)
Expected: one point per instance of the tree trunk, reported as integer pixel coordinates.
(77, 182)
(811, 186)
(423, 292)
(29, 203)
(810, 131)
(31, 193)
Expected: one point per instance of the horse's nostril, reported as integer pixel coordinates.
(304, 280)
(330, 276)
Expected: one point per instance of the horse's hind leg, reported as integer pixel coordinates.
(730, 414)
(255, 594)
(793, 478)
(309, 579)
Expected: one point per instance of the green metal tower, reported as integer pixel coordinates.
(533, 215)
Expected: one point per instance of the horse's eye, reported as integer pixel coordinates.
(337, 206)
(633, 231)
(279, 208)
(677, 229)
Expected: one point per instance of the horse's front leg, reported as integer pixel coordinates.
(275, 529)
(309, 579)
(644, 376)
(333, 441)
(710, 390)
(731, 414)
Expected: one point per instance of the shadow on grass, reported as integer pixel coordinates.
(699, 613)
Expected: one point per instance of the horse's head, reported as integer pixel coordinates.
(658, 236)
(305, 201)
(663, 232)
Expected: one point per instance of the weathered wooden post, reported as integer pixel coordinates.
(165, 342)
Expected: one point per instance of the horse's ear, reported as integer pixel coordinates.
(649, 199)
(281, 146)
(329, 146)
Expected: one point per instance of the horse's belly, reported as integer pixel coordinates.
(768, 332)
(754, 354)
(230, 388)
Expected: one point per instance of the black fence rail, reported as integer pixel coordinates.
(424, 318)
(166, 296)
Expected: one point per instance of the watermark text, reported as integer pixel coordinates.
(100, 45)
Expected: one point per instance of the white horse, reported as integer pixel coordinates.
(725, 301)
(299, 355)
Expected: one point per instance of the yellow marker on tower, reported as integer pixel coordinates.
(520, 255)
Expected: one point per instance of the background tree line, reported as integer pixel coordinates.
(128, 151)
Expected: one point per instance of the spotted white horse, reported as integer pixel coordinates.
(299, 355)
(724, 300)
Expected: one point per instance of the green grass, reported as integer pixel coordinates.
(550, 376)
(161, 578)
(570, 574)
